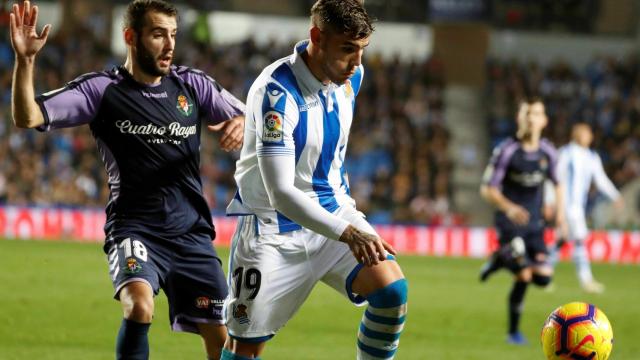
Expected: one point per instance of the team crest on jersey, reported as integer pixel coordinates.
(272, 127)
(133, 266)
(348, 89)
(240, 314)
(184, 106)
(544, 164)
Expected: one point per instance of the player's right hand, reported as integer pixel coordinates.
(367, 248)
(518, 215)
(22, 27)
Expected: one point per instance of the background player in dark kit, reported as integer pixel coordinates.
(514, 183)
(146, 118)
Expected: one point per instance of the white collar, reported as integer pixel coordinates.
(302, 70)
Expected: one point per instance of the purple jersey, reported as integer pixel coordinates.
(521, 174)
(149, 139)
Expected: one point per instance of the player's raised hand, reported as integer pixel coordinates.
(22, 27)
(367, 248)
(232, 133)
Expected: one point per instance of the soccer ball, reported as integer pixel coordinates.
(577, 331)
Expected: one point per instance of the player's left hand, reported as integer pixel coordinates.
(22, 28)
(367, 248)
(232, 133)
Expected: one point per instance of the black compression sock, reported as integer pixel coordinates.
(132, 343)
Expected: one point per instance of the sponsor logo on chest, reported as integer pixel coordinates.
(173, 133)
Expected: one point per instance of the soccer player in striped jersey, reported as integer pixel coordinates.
(513, 182)
(297, 222)
(146, 118)
(578, 168)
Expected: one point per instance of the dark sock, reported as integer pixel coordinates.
(493, 264)
(516, 297)
(132, 342)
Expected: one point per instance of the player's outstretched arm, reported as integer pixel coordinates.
(232, 133)
(26, 44)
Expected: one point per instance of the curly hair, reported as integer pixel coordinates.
(343, 17)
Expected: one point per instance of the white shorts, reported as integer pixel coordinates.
(270, 276)
(577, 224)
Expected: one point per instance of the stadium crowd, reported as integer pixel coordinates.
(605, 94)
(398, 153)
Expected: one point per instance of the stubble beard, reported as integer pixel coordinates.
(147, 61)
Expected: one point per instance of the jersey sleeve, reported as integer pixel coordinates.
(552, 155)
(563, 165)
(496, 169)
(216, 103)
(74, 104)
(601, 180)
(276, 116)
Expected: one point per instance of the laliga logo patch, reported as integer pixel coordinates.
(240, 314)
(348, 89)
(132, 267)
(272, 127)
(184, 106)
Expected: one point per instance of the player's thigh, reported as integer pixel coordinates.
(136, 258)
(537, 252)
(345, 274)
(196, 286)
(214, 336)
(136, 299)
(269, 279)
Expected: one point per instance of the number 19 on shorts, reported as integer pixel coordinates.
(250, 279)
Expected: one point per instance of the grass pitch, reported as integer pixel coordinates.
(55, 303)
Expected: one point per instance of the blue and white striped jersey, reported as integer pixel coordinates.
(291, 113)
(578, 167)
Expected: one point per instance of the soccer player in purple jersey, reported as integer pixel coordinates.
(513, 183)
(146, 118)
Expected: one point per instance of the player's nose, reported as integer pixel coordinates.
(169, 44)
(357, 61)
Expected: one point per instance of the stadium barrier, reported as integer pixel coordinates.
(85, 225)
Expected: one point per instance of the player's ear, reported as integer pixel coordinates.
(129, 36)
(315, 35)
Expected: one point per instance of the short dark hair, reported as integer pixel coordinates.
(343, 17)
(137, 9)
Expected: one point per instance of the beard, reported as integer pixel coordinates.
(147, 62)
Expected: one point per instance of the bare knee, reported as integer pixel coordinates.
(137, 302)
(524, 275)
(371, 279)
